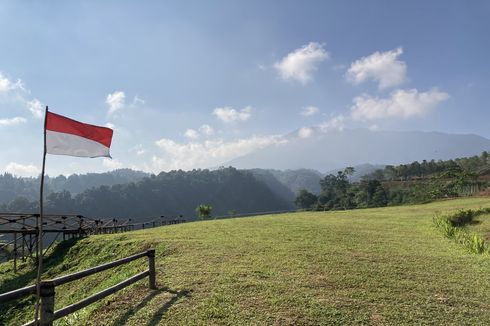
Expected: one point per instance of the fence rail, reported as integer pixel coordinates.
(48, 315)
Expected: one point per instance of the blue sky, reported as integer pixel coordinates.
(195, 84)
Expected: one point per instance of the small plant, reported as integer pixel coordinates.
(452, 227)
(477, 244)
(204, 211)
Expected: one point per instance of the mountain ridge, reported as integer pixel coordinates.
(326, 151)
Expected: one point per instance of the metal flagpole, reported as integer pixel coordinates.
(40, 227)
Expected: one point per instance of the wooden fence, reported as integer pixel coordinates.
(47, 312)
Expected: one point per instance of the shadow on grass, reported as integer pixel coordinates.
(157, 316)
(28, 274)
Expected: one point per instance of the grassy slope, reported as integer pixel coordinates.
(372, 266)
(480, 226)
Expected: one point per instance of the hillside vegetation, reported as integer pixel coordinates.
(418, 182)
(367, 266)
(169, 193)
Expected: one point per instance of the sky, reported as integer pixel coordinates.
(194, 84)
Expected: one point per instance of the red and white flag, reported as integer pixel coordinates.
(65, 136)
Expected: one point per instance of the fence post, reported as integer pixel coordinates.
(151, 266)
(47, 303)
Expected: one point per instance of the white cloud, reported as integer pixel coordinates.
(401, 104)
(335, 123)
(36, 108)
(191, 134)
(138, 100)
(309, 111)
(228, 114)
(12, 121)
(373, 127)
(209, 153)
(383, 68)
(115, 101)
(110, 125)
(7, 85)
(305, 132)
(138, 149)
(21, 170)
(300, 64)
(111, 163)
(206, 130)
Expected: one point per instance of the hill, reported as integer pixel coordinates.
(174, 193)
(294, 180)
(12, 187)
(387, 266)
(325, 151)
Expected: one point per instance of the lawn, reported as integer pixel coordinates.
(385, 266)
(481, 226)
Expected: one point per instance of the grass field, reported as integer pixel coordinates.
(387, 266)
(480, 226)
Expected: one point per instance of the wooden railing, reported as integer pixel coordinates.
(47, 293)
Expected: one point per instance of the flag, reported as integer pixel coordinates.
(65, 136)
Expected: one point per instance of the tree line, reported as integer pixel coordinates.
(168, 193)
(417, 182)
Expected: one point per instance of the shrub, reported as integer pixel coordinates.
(451, 227)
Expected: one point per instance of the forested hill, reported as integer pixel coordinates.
(227, 190)
(12, 187)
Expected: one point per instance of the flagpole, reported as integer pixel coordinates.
(40, 227)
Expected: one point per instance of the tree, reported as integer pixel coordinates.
(305, 199)
(371, 194)
(336, 191)
(204, 211)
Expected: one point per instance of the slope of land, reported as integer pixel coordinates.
(366, 266)
(480, 226)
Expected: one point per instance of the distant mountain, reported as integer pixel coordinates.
(12, 187)
(227, 190)
(325, 151)
(359, 171)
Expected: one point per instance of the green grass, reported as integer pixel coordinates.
(480, 226)
(386, 266)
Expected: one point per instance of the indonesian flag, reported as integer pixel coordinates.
(65, 136)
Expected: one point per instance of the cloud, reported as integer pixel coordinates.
(191, 134)
(402, 104)
(110, 125)
(383, 68)
(36, 108)
(138, 149)
(206, 130)
(7, 85)
(21, 170)
(15, 92)
(115, 101)
(12, 121)
(208, 153)
(305, 132)
(138, 100)
(335, 123)
(309, 111)
(228, 114)
(300, 64)
(111, 163)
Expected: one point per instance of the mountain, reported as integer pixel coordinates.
(169, 194)
(359, 171)
(299, 179)
(12, 187)
(325, 151)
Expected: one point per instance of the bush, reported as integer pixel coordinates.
(451, 227)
